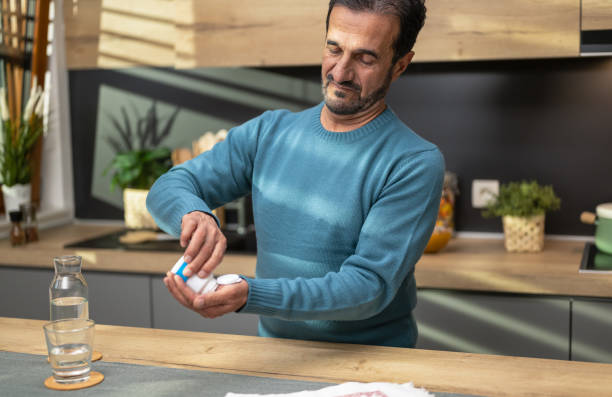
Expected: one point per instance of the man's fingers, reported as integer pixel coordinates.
(214, 259)
(205, 252)
(171, 285)
(189, 226)
(198, 239)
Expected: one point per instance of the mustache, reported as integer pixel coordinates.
(348, 84)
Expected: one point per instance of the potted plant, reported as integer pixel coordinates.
(16, 147)
(137, 165)
(522, 206)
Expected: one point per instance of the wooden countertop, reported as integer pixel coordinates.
(51, 244)
(437, 371)
(465, 264)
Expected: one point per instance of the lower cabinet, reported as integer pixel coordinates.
(114, 298)
(506, 324)
(592, 330)
(513, 325)
(135, 300)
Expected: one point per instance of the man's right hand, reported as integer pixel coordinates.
(204, 241)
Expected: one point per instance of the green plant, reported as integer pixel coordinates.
(138, 169)
(18, 139)
(522, 199)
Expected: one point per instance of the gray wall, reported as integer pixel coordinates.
(549, 120)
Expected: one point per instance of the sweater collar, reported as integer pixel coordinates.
(352, 135)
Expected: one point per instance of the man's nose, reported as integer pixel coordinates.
(343, 70)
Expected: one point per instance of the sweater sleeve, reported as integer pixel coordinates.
(391, 241)
(209, 180)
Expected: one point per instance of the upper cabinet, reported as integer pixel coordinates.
(194, 33)
(596, 27)
(249, 32)
(499, 29)
(596, 14)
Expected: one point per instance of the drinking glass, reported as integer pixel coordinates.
(69, 344)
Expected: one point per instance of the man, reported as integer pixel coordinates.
(345, 196)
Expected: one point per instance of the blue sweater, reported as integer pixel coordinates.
(341, 220)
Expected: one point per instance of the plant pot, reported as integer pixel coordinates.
(135, 209)
(14, 196)
(524, 234)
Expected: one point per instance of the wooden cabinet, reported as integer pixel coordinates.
(596, 15)
(499, 29)
(194, 33)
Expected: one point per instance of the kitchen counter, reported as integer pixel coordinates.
(437, 371)
(465, 264)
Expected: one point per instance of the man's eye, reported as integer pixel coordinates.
(334, 50)
(367, 59)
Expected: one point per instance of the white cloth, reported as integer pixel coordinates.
(353, 389)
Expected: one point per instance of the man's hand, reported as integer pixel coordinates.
(225, 299)
(204, 241)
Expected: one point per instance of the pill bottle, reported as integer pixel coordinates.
(197, 284)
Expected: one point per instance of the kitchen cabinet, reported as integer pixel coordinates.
(509, 29)
(136, 300)
(596, 15)
(119, 33)
(500, 324)
(24, 293)
(118, 299)
(196, 33)
(591, 330)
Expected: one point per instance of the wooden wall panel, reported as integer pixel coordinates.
(499, 29)
(119, 33)
(193, 33)
(249, 33)
(596, 14)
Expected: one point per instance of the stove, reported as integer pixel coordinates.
(594, 260)
(236, 243)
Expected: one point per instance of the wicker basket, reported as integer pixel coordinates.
(524, 234)
(135, 209)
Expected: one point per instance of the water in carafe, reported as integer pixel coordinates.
(68, 293)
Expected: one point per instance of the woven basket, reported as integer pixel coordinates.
(524, 234)
(135, 209)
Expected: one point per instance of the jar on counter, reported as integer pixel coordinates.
(30, 223)
(445, 224)
(17, 235)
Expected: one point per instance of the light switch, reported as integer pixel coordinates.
(483, 191)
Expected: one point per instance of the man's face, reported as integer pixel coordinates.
(356, 70)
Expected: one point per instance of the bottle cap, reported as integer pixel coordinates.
(16, 216)
(197, 284)
(227, 279)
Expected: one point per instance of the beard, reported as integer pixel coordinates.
(338, 104)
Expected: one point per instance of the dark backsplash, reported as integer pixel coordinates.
(548, 120)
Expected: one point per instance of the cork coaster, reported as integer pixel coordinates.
(94, 379)
(96, 355)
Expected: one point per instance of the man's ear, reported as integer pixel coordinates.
(401, 65)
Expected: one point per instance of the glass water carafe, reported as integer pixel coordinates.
(68, 293)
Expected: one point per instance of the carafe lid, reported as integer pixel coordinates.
(604, 210)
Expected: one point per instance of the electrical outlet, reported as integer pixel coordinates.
(483, 191)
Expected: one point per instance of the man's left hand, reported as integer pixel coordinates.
(225, 299)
